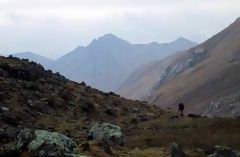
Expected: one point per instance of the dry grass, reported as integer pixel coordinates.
(192, 133)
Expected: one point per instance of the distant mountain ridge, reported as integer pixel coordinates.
(204, 77)
(46, 62)
(107, 61)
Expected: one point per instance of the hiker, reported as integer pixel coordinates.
(181, 108)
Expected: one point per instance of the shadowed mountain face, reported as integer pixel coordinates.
(206, 77)
(46, 62)
(107, 61)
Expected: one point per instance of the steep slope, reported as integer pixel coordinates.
(46, 62)
(107, 61)
(205, 77)
(34, 98)
(142, 80)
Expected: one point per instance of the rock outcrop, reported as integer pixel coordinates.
(106, 132)
(42, 143)
(220, 151)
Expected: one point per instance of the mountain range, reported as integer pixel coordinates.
(108, 61)
(205, 78)
(43, 114)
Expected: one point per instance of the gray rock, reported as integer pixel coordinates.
(42, 143)
(221, 151)
(136, 110)
(106, 132)
(177, 150)
(4, 108)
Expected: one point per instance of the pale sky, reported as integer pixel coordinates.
(54, 27)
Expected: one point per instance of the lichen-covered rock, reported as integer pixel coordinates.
(177, 150)
(43, 143)
(220, 151)
(106, 132)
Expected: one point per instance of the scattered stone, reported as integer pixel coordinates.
(177, 150)
(10, 120)
(87, 106)
(40, 106)
(107, 147)
(112, 111)
(221, 151)
(42, 143)
(174, 117)
(85, 147)
(134, 121)
(136, 110)
(194, 116)
(143, 118)
(113, 94)
(2, 108)
(83, 83)
(106, 132)
(198, 152)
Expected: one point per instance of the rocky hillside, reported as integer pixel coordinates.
(45, 114)
(107, 61)
(205, 77)
(31, 97)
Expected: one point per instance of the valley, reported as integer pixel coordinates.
(204, 77)
(113, 98)
(37, 99)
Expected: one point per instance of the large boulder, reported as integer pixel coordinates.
(106, 132)
(42, 143)
(221, 151)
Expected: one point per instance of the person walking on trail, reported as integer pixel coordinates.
(181, 108)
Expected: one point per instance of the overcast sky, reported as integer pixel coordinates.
(54, 27)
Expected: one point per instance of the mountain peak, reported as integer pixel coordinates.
(108, 39)
(183, 40)
(109, 35)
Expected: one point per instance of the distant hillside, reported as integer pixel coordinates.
(107, 61)
(138, 85)
(46, 62)
(206, 77)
